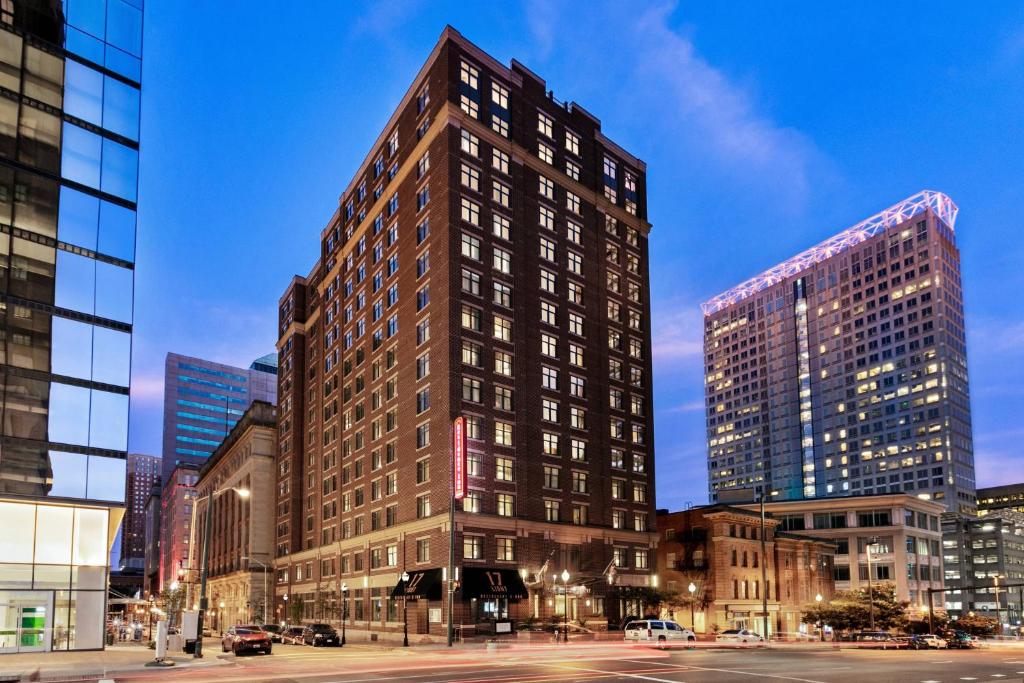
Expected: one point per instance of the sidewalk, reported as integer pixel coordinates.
(71, 666)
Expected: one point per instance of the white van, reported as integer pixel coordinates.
(658, 631)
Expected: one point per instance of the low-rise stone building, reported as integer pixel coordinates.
(717, 550)
(894, 536)
(242, 530)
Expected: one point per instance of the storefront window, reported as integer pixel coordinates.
(46, 602)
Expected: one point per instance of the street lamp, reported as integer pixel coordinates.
(565, 590)
(821, 624)
(871, 592)
(265, 568)
(405, 609)
(344, 610)
(242, 493)
(693, 620)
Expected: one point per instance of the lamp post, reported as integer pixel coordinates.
(265, 568)
(220, 618)
(817, 601)
(344, 610)
(405, 610)
(871, 592)
(205, 566)
(693, 620)
(764, 574)
(995, 584)
(565, 590)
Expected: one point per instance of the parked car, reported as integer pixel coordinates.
(879, 639)
(738, 635)
(927, 641)
(319, 635)
(959, 640)
(275, 631)
(292, 634)
(249, 638)
(914, 642)
(935, 642)
(659, 631)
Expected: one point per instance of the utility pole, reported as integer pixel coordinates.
(871, 593)
(457, 488)
(995, 583)
(451, 567)
(931, 610)
(764, 573)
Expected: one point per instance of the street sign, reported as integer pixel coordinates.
(459, 481)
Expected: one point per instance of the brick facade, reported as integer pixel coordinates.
(718, 550)
(427, 302)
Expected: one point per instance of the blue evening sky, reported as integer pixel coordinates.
(766, 127)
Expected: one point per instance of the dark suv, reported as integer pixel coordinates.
(275, 632)
(320, 635)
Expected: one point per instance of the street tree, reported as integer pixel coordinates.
(976, 625)
(853, 610)
(173, 601)
(296, 607)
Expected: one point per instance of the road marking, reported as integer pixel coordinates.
(694, 667)
(619, 674)
(945, 661)
(931, 682)
(968, 678)
(998, 675)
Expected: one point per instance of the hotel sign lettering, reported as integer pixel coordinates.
(459, 480)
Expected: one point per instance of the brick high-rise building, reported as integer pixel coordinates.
(175, 532)
(843, 371)
(143, 474)
(487, 260)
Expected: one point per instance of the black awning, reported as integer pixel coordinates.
(486, 583)
(425, 583)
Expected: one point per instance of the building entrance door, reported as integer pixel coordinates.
(26, 621)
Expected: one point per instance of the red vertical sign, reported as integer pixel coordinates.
(459, 482)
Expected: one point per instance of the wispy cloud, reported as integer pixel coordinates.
(381, 18)
(994, 467)
(994, 335)
(716, 118)
(688, 407)
(678, 332)
(147, 388)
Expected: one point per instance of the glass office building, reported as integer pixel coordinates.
(69, 128)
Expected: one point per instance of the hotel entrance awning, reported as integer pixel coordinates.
(424, 583)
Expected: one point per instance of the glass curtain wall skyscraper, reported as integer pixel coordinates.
(69, 139)
(843, 370)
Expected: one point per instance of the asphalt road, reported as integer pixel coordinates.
(606, 662)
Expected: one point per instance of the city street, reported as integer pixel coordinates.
(604, 662)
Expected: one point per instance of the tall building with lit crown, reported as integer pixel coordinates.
(489, 261)
(69, 139)
(843, 370)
